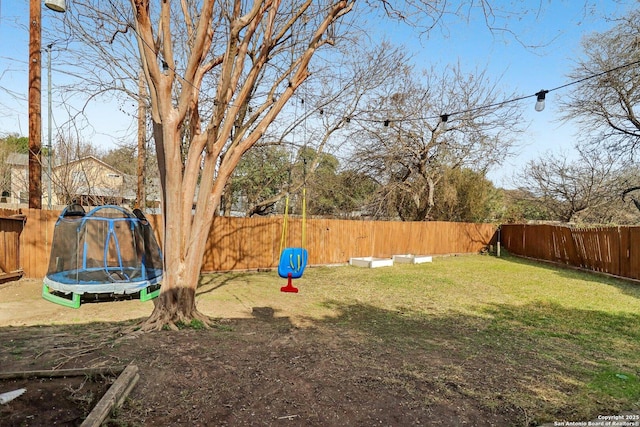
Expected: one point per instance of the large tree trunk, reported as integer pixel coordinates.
(183, 254)
(197, 178)
(176, 305)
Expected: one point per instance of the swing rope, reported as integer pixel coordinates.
(285, 223)
(304, 217)
(293, 260)
(285, 220)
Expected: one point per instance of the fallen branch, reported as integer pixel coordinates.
(56, 373)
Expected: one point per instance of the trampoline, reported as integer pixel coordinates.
(109, 250)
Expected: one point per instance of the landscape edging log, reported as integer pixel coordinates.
(114, 397)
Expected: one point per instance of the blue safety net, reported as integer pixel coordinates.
(107, 250)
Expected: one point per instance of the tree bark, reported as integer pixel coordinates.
(142, 144)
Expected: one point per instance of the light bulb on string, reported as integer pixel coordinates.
(443, 121)
(540, 100)
(56, 5)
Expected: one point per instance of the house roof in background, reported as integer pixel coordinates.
(93, 159)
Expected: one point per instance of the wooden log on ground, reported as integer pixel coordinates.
(57, 373)
(114, 397)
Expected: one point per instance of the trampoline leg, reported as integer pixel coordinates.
(289, 287)
(74, 302)
(145, 295)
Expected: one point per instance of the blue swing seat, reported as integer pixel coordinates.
(292, 262)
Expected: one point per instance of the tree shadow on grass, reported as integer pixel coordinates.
(538, 362)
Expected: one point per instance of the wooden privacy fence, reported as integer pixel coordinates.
(608, 250)
(252, 243)
(247, 243)
(10, 230)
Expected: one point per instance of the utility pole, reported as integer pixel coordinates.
(35, 97)
(35, 113)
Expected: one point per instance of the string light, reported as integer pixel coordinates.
(444, 118)
(540, 100)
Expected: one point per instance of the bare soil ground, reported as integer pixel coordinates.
(266, 362)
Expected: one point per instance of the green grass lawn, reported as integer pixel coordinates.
(551, 343)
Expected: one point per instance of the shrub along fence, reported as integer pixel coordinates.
(254, 243)
(608, 250)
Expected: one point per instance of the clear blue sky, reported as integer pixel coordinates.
(556, 25)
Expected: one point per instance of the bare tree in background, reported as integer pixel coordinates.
(606, 106)
(587, 188)
(335, 93)
(448, 121)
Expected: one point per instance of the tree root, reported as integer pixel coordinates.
(174, 321)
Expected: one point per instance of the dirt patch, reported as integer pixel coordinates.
(262, 371)
(267, 361)
(52, 401)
